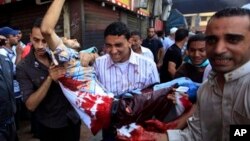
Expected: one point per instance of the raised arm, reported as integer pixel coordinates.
(49, 22)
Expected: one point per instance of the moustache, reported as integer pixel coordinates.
(221, 56)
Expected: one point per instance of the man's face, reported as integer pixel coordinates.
(118, 48)
(38, 41)
(12, 40)
(228, 43)
(135, 41)
(72, 43)
(19, 35)
(151, 32)
(197, 52)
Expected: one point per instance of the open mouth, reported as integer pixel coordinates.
(221, 61)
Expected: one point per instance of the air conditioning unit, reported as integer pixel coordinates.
(40, 2)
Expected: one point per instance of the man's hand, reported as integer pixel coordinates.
(87, 58)
(19, 49)
(56, 72)
(19, 52)
(139, 134)
(155, 125)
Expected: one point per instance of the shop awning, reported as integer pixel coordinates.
(122, 3)
(175, 19)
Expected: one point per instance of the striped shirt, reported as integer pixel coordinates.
(139, 73)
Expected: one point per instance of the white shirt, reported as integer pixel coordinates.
(167, 42)
(139, 73)
(147, 53)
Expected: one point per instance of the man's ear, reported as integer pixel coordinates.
(129, 44)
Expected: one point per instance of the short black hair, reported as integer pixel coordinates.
(194, 38)
(37, 22)
(160, 33)
(117, 28)
(230, 12)
(181, 34)
(2, 42)
(135, 33)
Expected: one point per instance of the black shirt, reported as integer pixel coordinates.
(154, 45)
(173, 54)
(190, 71)
(54, 111)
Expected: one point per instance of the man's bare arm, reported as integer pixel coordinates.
(49, 22)
(171, 68)
(36, 98)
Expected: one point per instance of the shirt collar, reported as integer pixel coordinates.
(230, 76)
(237, 73)
(132, 59)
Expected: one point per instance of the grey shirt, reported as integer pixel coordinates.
(217, 110)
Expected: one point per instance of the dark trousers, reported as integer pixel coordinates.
(8, 131)
(109, 134)
(68, 133)
(18, 111)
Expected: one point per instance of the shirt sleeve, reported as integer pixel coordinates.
(154, 74)
(172, 56)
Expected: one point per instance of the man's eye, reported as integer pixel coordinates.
(233, 39)
(107, 46)
(43, 41)
(211, 40)
(36, 40)
(118, 45)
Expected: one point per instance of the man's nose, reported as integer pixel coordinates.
(220, 47)
(113, 50)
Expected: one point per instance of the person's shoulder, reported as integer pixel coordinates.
(5, 58)
(172, 48)
(2, 57)
(25, 62)
(144, 59)
(102, 59)
(3, 51)
(144, 49)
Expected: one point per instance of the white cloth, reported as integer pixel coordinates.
(217, 110)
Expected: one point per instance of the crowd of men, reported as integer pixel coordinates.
(218, 59)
